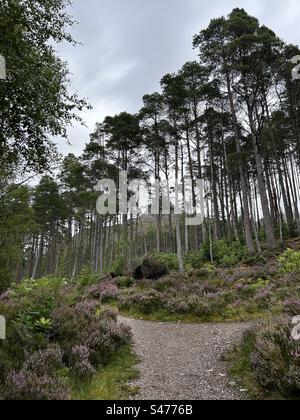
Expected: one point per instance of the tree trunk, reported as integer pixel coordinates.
(246, 214)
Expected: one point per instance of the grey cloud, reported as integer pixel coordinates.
(128, 45)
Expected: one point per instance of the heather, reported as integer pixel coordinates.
(61, 334)
(56, 340)
(267, 363)
(212, 292)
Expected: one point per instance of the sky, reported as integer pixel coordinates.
(128, 45)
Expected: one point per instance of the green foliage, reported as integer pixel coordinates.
(125, 135)
(16, 221)
(225, 253)
(194, 260)
(37, 80)
(44, 325)
(267, 362)
(146, 302)
(289, 262)
(168, 259)
(87, 277)
(214, 294)
(111, 382)
(118, 266)
(52, 340)
(125, 282)
(48, 204)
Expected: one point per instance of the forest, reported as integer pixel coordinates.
(231, 118)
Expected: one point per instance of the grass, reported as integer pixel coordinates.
(111, 382)
(240, 371)
(160, 316)
(164, 316)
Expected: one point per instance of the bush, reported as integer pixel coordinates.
(125, 282)
(194, 260)
(108, 292)
(27, 385)
(105, 291)
(292, 306)
(203, 273)
(225, 253)
(105, 337)
(167, 259)
(87, 277)
(45, 362)
(268, 360)
(86, 324)
(150, 269)
(38, 379)
(289, 262)
(80, 364)
(147, 301)
(275, 360)
(118, 267)
(51, 336)
(193, 304)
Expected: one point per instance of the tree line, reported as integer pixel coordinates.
(230, 118)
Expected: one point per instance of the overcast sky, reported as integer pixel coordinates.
(128, 45)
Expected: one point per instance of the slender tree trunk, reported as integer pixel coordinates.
(39, 255)
(246, 214)
(177, 216)
(269, 228)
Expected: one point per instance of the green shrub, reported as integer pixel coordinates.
(146, 302)
(268, 358)
(289, 262)
(168, 259)
(205, 272)
(87, 277)
(118, 267)
(125, 282)
(225, 253)
(228, 254)
(193, 304)
(194, 260)
(49, 339)
(275, 360)
(254, 259)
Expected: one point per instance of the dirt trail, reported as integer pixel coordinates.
(183, 361)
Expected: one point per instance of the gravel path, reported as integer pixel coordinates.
(182, 361)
